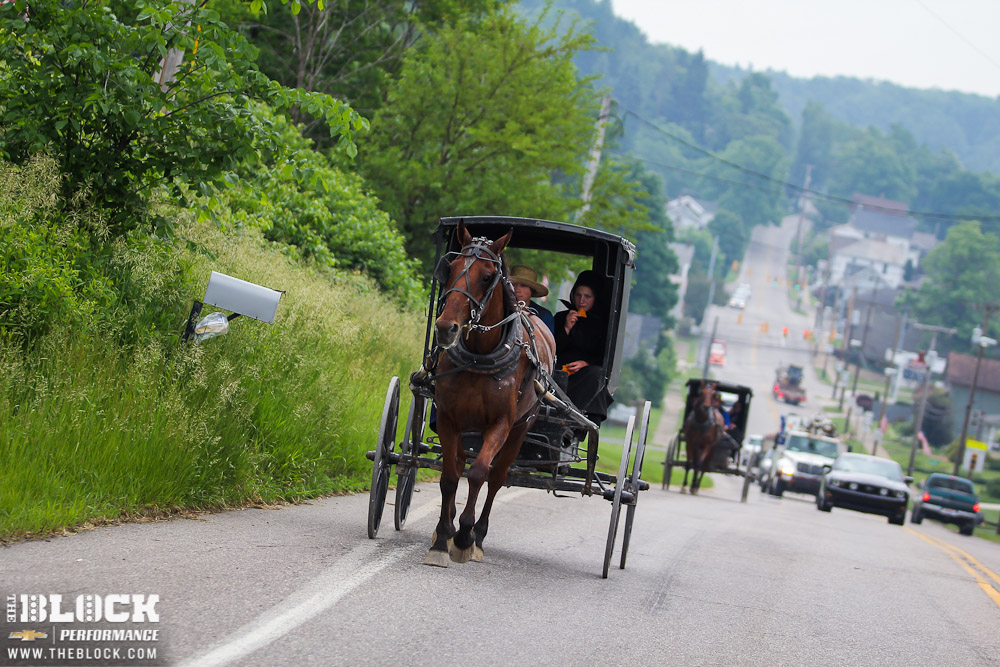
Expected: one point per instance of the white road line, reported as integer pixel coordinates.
(358, 566)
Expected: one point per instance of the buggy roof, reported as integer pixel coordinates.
(613, 259)
(694, 384)
(536, 234)
(743, 396)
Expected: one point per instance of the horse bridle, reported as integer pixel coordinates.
(706, 424)
(472, 252)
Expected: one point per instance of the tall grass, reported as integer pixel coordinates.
(92, 432)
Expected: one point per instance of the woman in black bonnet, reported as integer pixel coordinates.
(581, 336)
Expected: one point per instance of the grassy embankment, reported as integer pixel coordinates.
(92, 433)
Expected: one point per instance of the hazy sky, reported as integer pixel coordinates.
(947, 44)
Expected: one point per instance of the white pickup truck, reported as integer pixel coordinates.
(797, 465)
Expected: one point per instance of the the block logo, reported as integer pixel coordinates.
(86, 608)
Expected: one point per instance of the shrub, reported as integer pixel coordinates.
(299, 198)
(57, 265)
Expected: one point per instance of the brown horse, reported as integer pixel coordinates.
(702, 429)
(484, 383)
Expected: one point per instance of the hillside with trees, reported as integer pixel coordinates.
(745, 140)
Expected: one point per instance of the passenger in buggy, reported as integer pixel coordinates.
(526, 286)
(581, 336)
(728, 441)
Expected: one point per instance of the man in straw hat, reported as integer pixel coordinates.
(526, 286)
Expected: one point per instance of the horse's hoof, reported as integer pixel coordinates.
(459, 555)
(684, 490)
(436, 558)
(477, 554)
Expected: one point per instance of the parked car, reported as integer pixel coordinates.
(949, 499)
(865, 484)
(717, 353)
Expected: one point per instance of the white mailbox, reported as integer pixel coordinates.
(241, 297)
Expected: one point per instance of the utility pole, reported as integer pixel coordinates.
(919, 421)
(861, 352)
(900, 335)
(708, 348)
(982, 343)
(798, 237)
(826, 285)
(848, 325)
(889, 375)
(711, 297)
(594, 159)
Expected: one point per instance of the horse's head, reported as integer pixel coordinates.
(706, 394)
(470, 279)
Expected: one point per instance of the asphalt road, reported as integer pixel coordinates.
(709, 581)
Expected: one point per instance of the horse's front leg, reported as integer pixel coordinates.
(498, 475)
(699, 471)
(451, 473)
(462, 544)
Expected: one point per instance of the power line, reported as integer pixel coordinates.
(954, 217)
(958, 34)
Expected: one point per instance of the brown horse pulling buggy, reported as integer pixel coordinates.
(501, 418)
(697, 444)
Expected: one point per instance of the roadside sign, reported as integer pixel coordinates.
(975, 455)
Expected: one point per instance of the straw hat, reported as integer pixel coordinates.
(523, 275)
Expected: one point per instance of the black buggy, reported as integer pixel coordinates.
(560, 451)
(724, 461)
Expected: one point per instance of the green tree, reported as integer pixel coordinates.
(937, 422)
(962, 274)
(350, 49)
(815, 146)
(754, 199)
(653, 292)
(748, 109)
(81, 85)
(732, 235)
(869, 164)
(689, 94)
(482, 118)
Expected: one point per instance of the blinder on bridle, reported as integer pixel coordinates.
(478, 249)
(443, 269)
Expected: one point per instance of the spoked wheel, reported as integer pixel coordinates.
(634, 479)
(381, 457)
(406, 472)
(668, 465)
(616, 497)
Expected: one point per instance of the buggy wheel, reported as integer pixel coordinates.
(616, 497)
(381, 457)
(640, 452)
(668, 465)
(406, 470)
(747, 477)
